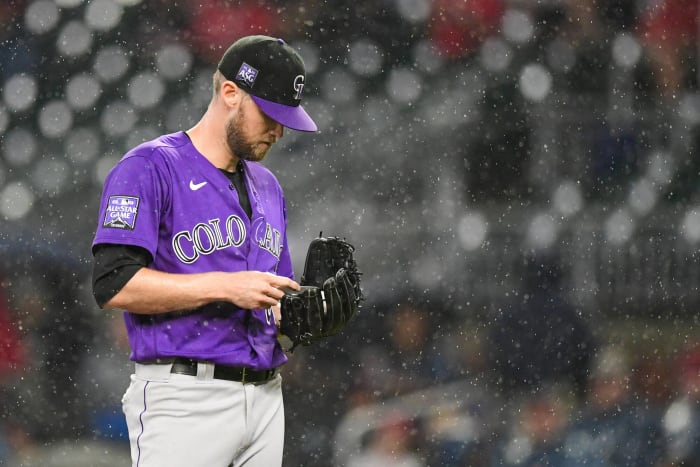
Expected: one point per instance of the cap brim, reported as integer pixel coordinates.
(295, 118)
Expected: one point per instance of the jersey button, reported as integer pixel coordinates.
(231, 187)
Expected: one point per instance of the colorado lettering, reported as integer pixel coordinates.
(271, 241)
(205, 238)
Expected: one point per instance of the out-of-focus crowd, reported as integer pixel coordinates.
(541, 381)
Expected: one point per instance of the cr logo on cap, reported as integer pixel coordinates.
(298, 86)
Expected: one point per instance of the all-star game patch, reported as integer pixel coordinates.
(121, 212)
(247, 74)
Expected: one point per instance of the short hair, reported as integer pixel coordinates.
(217, 80)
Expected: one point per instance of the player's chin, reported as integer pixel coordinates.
(261, 151)
(255, 156)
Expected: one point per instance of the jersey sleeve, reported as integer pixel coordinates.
(131, 205)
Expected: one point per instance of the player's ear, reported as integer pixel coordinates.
(230, 93)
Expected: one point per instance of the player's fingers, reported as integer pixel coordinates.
(275, 293)
(282, 283)
(277, 313)
(266, 301)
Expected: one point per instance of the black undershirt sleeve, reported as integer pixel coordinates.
(114, 265)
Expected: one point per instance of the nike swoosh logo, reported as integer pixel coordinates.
(196, 186)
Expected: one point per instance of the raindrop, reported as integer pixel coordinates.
(678, 417)
(68, 3)
(103, 15)
(103, 167)
(338, 86)
(20, 147)
(141, 134)
(619, 227)
(626, 50)
(82, 91)
(181, 114)
(4, 119)
(365, 58)
(690, 108)
(111, 63)
(20, 92)
(55, 119)
(456, 108)
(16, 200)
(128, 2)
(41, 16)
(495, 54)
(517, 26)
(661, 168)
(82, 145)
(691, 225)
(535, 82)
(518, 449)
(49, 176)
(74, 39)
(472, 230)
(561, 55)
(567, 199)
(118, 118)
(201, 87)
(404, 86)
(642, 197)
(323, 113)
(379, 115)
(309, 54)
(542, 231)
(145, 90)
(427, 57)
(428, 273)
(173, 61)
(414, 11)
(472, 83)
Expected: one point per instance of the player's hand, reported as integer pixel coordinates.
(255, 289)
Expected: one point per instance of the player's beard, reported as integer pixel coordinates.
(238, 143)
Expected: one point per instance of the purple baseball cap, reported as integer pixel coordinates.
(273, 74)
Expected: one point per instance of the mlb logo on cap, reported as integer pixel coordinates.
(247, 74)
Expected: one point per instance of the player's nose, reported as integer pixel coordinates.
(277, 131)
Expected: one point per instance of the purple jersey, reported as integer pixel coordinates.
(168, 198)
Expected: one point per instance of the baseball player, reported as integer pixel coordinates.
(191, 242)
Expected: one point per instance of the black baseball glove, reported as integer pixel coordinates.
(330, 295)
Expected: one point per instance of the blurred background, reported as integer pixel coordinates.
(520, 179)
